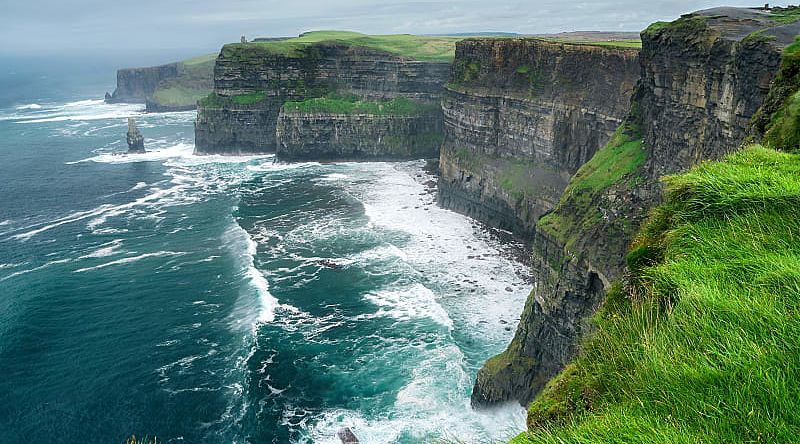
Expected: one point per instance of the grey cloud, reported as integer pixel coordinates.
(46, 26)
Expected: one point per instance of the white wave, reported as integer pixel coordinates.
(85, 103)
(30, 106)
(6, 222)
(105, 250)
(181, 149)
(414, 302)
(245, 248)
(273, 166)
(74, 217)
(41, 267)
(79, 111)
(128, 260)
(333, 177)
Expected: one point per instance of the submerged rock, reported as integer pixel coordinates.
(347, 436)
(134, 138)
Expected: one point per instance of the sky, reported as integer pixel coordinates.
(42, 27)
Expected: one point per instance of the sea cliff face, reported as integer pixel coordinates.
(702, 79)
(252, 82)
(135, 85)
(323, 136)
(521, 116)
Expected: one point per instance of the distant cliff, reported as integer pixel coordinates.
(253, 81)
(703, 77)
(171, 87)
(135, 85)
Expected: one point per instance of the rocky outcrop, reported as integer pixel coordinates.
(325, 136)
(135, 85)
(521, 116)
(134, 138)
(253, 81)
(702, 79)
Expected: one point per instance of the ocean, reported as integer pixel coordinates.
(210, 299)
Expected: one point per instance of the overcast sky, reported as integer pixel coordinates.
(85, 26)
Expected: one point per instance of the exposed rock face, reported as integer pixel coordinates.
(323, 136)
(229, 124)
(134, 138)
(521, 116)
(135, 85)
(702, 80)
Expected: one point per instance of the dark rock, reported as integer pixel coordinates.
(701, 82)
(225, 126)
(520, 117)
(134, 138)
(347, 436)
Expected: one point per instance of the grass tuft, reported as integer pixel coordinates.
(702, 346)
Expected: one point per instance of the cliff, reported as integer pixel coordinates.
(171, 87)
(521, 116)
(135, 85)
(378, 134)
(253, 81)
(703, 77)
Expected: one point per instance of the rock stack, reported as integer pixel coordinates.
(135, 138)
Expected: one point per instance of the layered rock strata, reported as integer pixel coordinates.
(252, 82)
(326, 136)
(521, 116)
(702, 79)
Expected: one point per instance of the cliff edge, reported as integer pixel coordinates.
(703, 78)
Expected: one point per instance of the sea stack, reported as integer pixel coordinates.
(135, 138)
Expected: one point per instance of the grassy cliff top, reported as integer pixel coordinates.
(423, 48)
(352, 105)
(626, 44)
(701, 344)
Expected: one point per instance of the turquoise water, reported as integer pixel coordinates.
(194, 298)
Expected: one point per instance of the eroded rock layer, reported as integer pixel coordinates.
(702, 79)
(521, 116)
(252, 82)
(326, 136)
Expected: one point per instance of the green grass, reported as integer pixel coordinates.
(778, 119)
(625, 44)
(688, 24)
(195, 80)
(702, 345)
(214, 100)
(352, 105)
(249, 99)
(619, 159)
(179, 95)
(785, 16)
(423, 48)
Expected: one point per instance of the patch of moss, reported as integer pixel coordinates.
(700, 345)
(615, 163)
(777, 122)
(686, 24)
(399, 106)
(215, 100)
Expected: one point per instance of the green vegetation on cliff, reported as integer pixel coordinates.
(701, 345)
(423, 48)
(215, 100)
(617, 161)
(352, 105)
(195, 80)
(778, 119)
